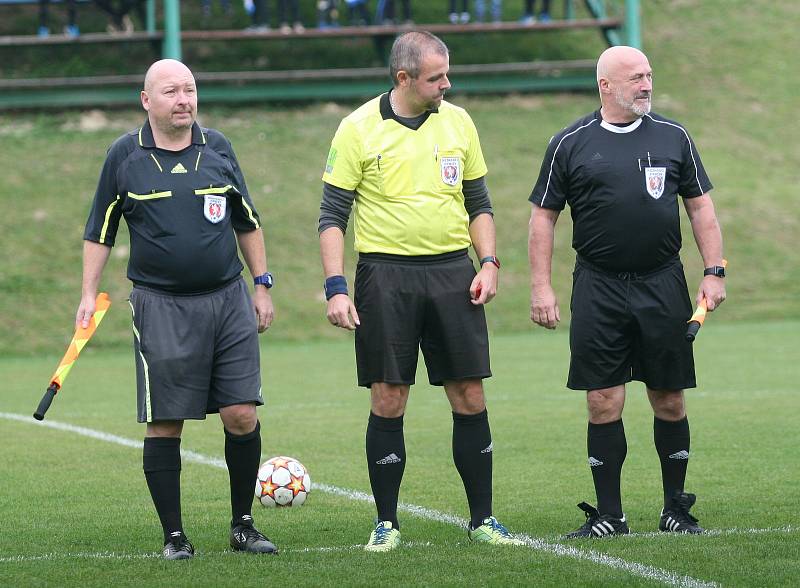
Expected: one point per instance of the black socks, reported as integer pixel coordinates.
(472, 454)
(672, 444)
(161, 461)
(386, 461)
(243, 457)
(607, 449)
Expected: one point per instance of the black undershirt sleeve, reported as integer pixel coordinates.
(334, 211)
(476, 197)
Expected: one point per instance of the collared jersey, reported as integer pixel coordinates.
(622, 186)
(408, 183)
(181, 208)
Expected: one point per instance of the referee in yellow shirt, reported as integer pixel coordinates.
(413, 166)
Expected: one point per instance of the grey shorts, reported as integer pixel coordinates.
(194, 353)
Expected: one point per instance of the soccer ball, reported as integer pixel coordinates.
(282, 481)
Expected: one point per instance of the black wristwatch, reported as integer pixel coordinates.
(264, 280)
(717, 270)
(491, 259)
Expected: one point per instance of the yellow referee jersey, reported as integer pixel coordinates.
(408, 183)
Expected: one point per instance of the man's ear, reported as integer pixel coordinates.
(145, 100)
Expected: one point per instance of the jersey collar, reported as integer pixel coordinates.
(147, 140)
(388, 113)
(621, 130)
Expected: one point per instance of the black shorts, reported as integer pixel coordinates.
(630, 327)
(194, 353)
(408, 303)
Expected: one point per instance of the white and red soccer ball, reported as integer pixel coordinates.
(282, 481)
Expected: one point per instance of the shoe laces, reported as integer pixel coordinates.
(250, 532)
(497, 526)
(680, 508)
(382, 534)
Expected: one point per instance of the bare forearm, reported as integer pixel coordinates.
(251, 244)
(483, 235)
(95, 257)
(706, 229)
(541, 231)
(331, 247)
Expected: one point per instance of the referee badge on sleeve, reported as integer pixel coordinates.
(654, 178)
(451, 170)
(214, 207)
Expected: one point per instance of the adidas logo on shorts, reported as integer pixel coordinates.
(593, 463)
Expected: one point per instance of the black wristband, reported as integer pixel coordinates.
(335, 285)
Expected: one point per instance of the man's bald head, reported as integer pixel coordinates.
(625, 82)
(615, 59)
(165, 69)
(170, 99)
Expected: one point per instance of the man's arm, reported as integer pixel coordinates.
(544, 305)
(484, 284)
(708, 236)
(341, 311)
(251, 244)
(95, 257)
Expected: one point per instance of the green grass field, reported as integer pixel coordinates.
(77, 512)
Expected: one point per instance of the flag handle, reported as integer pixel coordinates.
(47, 399)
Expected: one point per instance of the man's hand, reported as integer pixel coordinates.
(85, 310)
(544, 307)
(712, 289)
(262, 304)
(484, 285)
(342, 313)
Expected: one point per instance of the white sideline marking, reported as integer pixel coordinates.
(636, 569)
(134, 556)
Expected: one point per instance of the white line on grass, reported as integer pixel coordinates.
(226, 553)
(636, 569)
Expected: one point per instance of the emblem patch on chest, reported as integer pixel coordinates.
(654, 178)
(214, 207)
(451, 170)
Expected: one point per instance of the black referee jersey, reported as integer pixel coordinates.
(622, 184)
(180, 207)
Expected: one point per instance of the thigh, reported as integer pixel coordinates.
(173, 345)
(389, 298)
(455, 340)
(236, 374)
(664, 358)
(601, 332)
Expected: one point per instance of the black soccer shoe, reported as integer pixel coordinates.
(245, 537)
(676, 518)
(598, 525)
(178, 547)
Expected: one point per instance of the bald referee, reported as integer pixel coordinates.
(622, 171)
(412, 164)
(184, 198)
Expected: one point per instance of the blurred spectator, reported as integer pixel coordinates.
(327, 13)
(496, 9)
(385, 14)
(226, 8)
(359, 13)
(118, 11)
(455, 17)
(257, 9)
(293, 19)
(71, 29)
(528, 16)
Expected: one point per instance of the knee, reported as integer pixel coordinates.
(388, 400)
(668, 405)
(239, 419)
(466, 396)
(604, 407)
